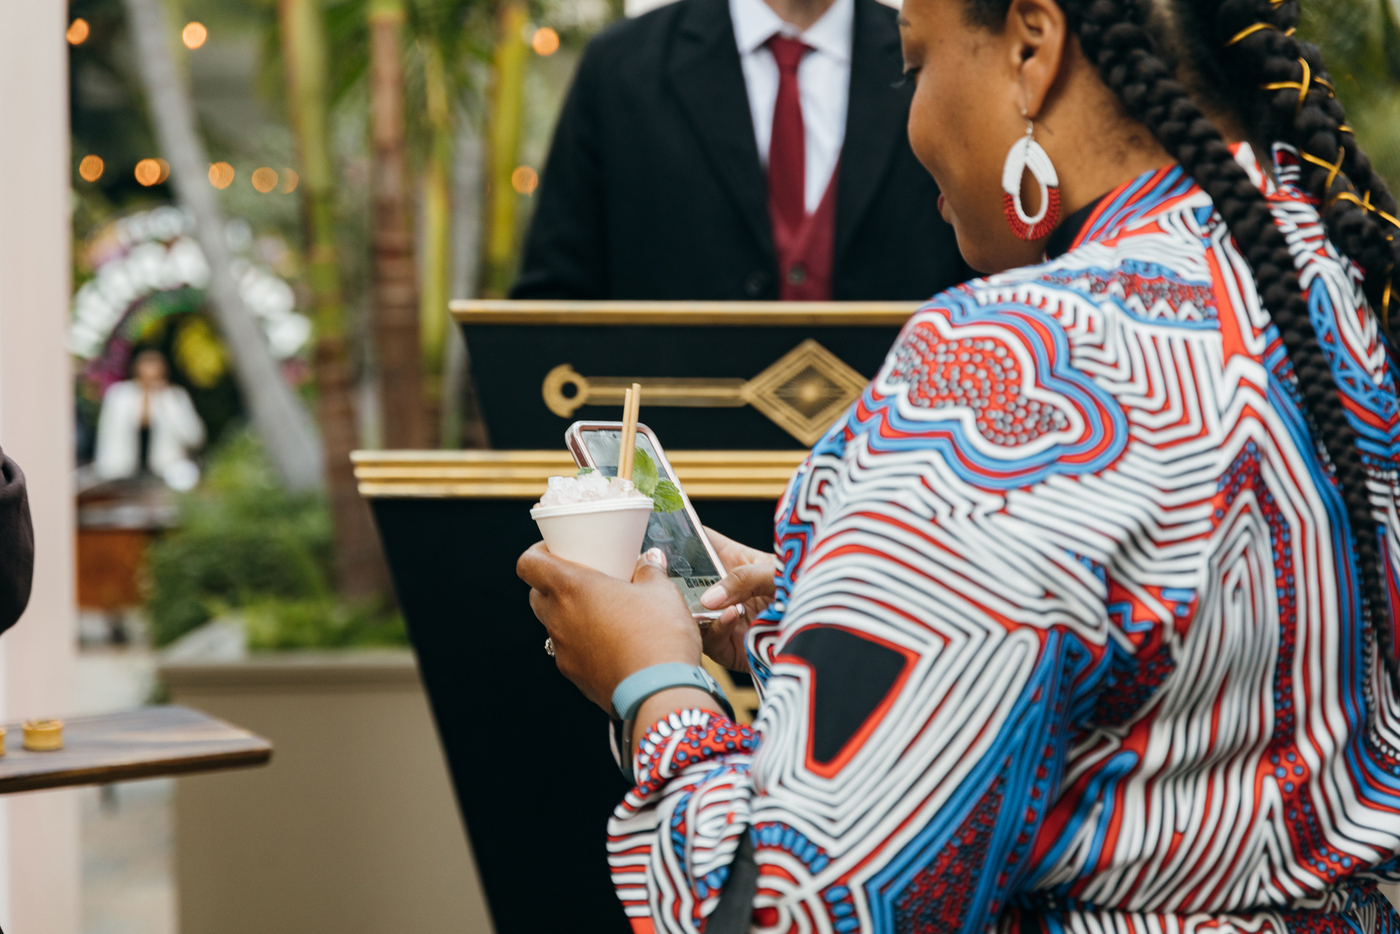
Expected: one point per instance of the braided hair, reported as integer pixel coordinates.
(1281, 82)
(1280, 85)
(1116, 37)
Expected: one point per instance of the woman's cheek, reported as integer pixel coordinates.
(923, 137)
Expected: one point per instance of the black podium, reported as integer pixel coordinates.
(736, 392)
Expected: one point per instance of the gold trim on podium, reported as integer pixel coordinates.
(688, 314)
(760, 475)
(802, 393)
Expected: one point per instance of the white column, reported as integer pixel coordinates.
(39, 862)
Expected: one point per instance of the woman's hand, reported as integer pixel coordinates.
(745, 591)
(605, 629)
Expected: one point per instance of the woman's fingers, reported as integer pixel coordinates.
(537, 567)
(721, 541)
(731, 553)
(605, 629)
(650, 565)
(724, 642)
(542, 606)
(545, 571)
(744, 582)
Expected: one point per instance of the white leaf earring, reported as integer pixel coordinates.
(1027, 154)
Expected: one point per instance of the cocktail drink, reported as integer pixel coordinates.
(595, 521)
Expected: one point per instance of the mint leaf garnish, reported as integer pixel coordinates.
(585, 471)
(644, 472)
(666, 497)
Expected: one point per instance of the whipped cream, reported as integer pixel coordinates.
(589, 488)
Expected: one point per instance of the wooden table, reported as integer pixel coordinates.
(145, 743)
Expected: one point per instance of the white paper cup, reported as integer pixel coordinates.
(605, 535)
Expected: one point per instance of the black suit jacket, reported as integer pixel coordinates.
(654, 189)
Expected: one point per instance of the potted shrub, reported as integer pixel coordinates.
(353, 825)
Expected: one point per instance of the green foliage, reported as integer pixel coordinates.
(241, 540)
(665, 497)
(459, 31)
(320, 623)
(1360, 41)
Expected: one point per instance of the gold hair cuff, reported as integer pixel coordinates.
(1302, 86)
(1366, 205)
(1333, 170)
(1385, 298)
(43, 735)
(1249, 31)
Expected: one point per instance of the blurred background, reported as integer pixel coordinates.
(363, 161)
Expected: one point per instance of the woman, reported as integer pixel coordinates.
(148, 425)
(1084, 613)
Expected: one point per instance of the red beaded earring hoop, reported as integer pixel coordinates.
(1027, 155)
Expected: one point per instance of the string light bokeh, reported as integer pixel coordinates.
(194, 35)
(524, 180)
(545, 41)
(90, 169)
(152, 171)
(221, 175)
(264, 179)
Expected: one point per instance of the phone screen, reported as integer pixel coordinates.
(688, 564)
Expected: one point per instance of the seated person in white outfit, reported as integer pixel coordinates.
(148, 425)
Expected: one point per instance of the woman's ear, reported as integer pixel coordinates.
(1036, 30)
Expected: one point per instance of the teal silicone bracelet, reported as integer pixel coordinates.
(640, 685)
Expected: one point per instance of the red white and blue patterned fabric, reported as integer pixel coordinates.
(1067, 634)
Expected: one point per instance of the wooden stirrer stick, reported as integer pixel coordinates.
(631, 410)
(623, 470)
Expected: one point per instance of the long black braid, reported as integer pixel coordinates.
(1115, 36)
(1280, 86)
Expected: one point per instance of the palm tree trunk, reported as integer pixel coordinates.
(507, 99)
(462, 425)
(395, 295)
(359, 562)
(437, 231)
(283, 424)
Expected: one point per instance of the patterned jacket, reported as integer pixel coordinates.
(1067, 633)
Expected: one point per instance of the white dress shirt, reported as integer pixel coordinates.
(823, 83)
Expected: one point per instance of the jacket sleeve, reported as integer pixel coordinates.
(671, 840)
(565, 255)
(16, 543)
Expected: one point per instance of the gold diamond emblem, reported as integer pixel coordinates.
(805, 391)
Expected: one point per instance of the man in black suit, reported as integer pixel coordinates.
(676, 160)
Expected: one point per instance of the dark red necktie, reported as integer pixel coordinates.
(787, 149)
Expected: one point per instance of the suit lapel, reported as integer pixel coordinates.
(876, 117)
(705, 74)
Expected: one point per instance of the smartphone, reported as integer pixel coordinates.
(691, 561)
